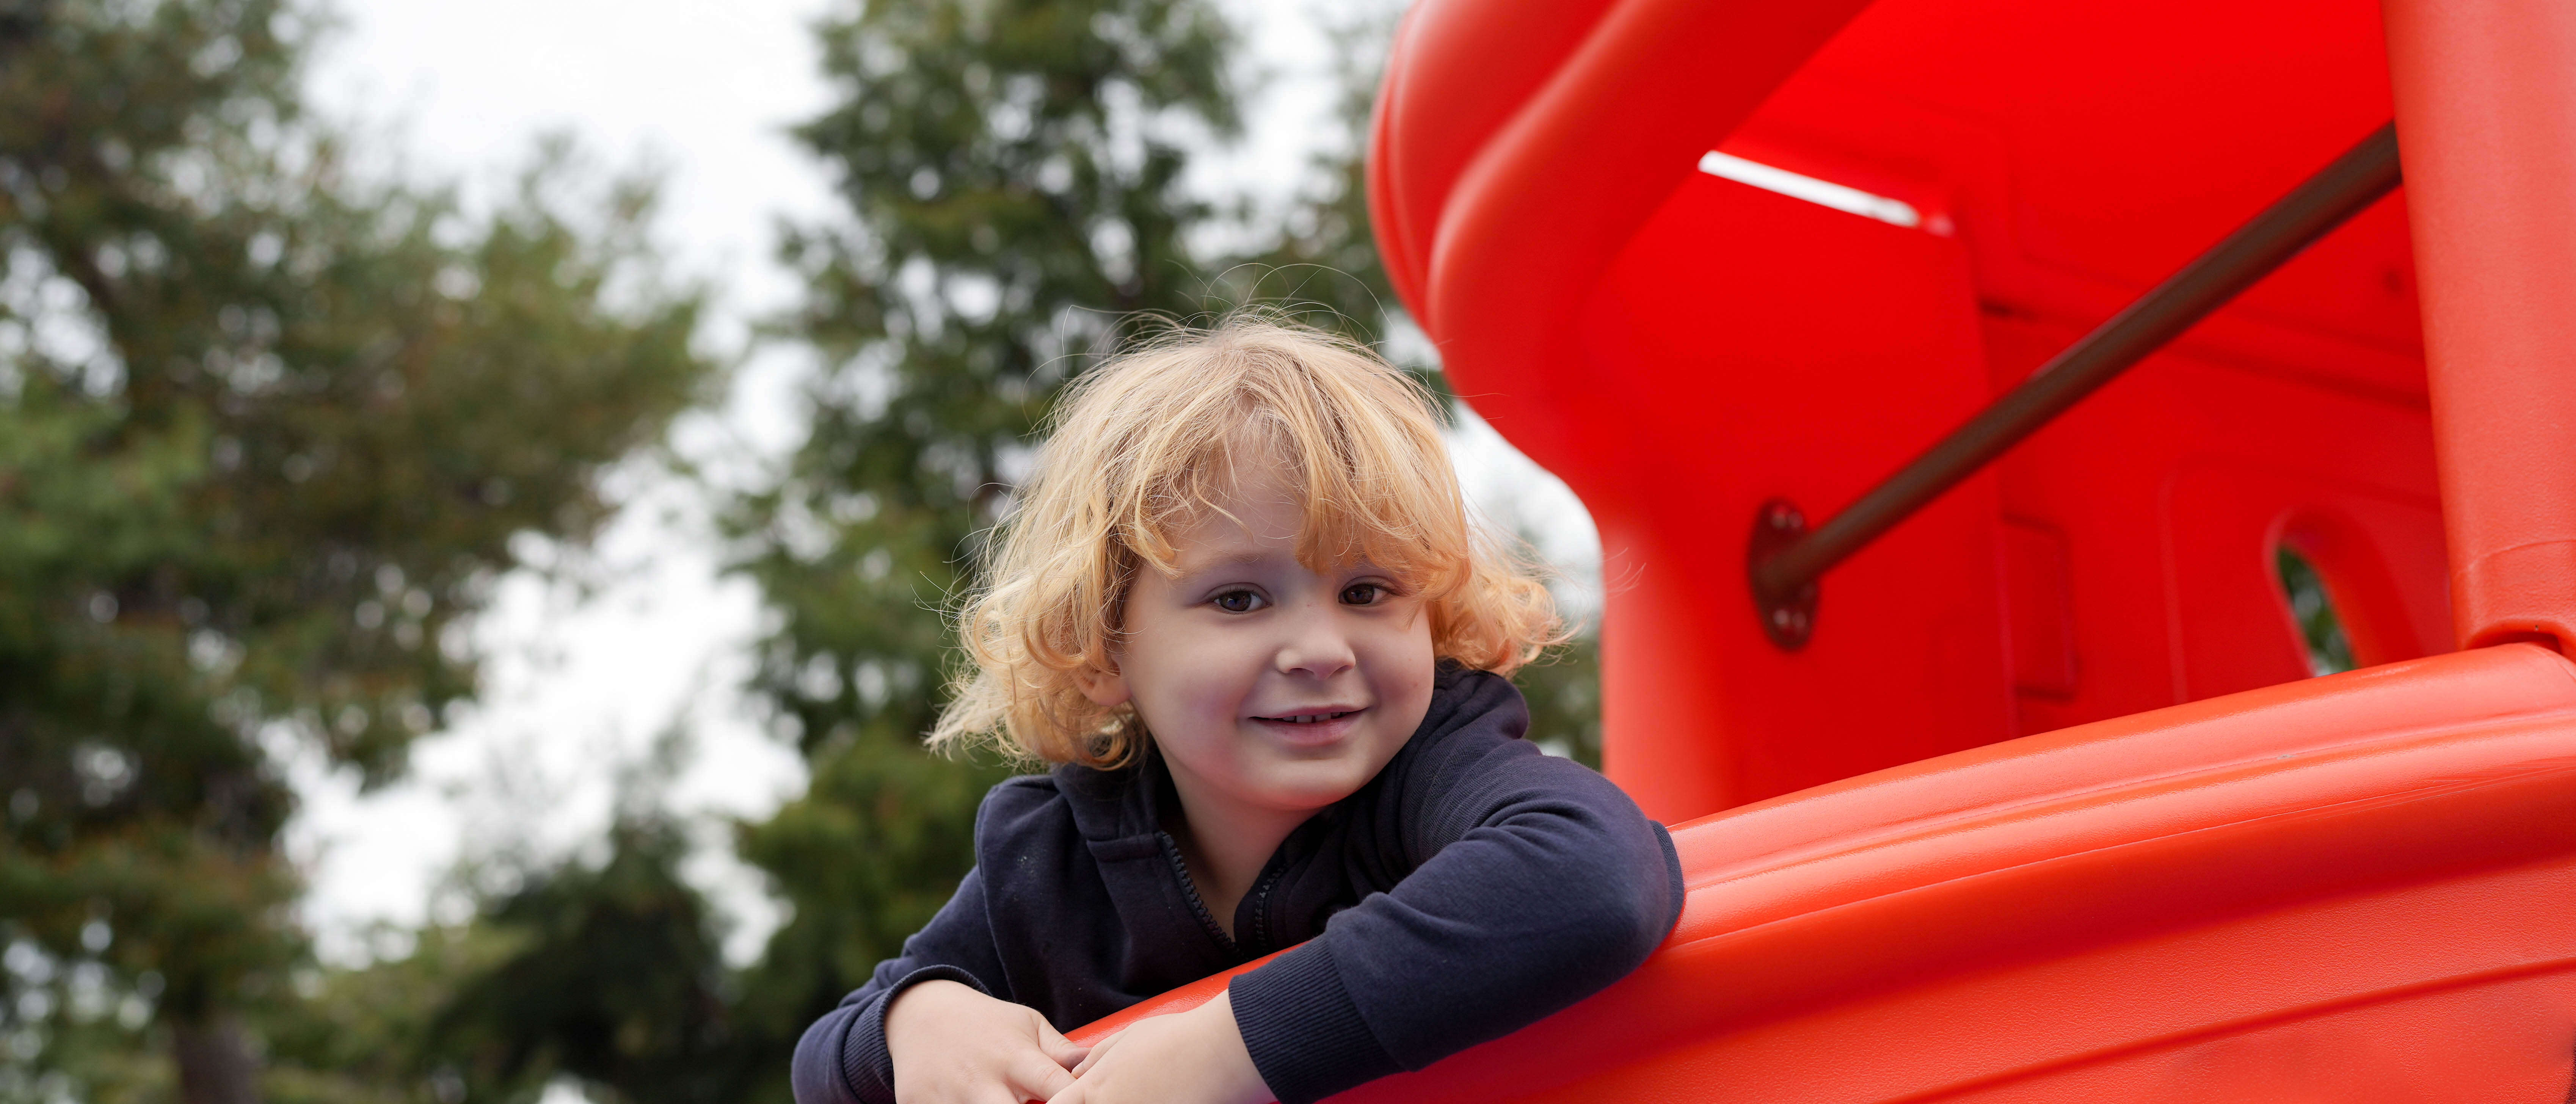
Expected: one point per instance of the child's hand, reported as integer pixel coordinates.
(953, 1045)
(1193, 1057)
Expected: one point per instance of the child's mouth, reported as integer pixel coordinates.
(1314, 725)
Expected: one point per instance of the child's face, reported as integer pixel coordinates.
(1270, 688)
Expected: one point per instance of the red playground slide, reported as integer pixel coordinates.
(1949, 379)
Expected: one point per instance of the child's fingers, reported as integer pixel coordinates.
(1073, 1094)
(1099, 1050)
(1066, 1052)
(1036, 1077)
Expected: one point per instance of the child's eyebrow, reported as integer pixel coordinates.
(1249, 557)
(1244, 558)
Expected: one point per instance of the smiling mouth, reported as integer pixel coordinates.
(1309, 718)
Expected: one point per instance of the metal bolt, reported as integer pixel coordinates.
(1781, 617)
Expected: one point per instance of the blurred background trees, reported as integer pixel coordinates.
(268, 430)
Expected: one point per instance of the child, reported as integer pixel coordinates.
(1240, 607)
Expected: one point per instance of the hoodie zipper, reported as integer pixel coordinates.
(1190, 889)
(1261, 904)
(1259, 941)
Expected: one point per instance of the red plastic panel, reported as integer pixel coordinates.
(2227, 607)
(2039, 604)
(2488, 1035)
(1729, 345)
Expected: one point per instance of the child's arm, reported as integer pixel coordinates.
(1542, 884)
(926, 1023)
(1534, 883)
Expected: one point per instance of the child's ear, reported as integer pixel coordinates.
(1106, 689)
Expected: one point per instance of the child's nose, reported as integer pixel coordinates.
(1315, 646)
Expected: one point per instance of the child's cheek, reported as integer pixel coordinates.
(1412, 669)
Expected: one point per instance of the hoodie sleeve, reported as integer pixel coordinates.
(842, 1058)
(1537, 883)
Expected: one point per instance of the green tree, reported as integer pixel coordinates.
(606, 970)
(268, 431)
(568, 998)
(379, 1034)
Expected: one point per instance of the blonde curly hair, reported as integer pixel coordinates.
(1141, 445)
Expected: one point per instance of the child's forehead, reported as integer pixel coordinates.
(1235, 517)
(1260, 457)
(1268, 527)
(1326, 490)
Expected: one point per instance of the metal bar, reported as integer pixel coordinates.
(2338, 192)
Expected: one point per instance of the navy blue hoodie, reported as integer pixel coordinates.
(1471, 888)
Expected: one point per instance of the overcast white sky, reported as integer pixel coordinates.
(581, 684)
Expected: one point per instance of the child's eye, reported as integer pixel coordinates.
(1363, 594)
(1237, 601)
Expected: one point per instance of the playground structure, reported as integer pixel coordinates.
(1925, 369)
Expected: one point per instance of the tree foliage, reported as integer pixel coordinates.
(568, 996)
(268, 430)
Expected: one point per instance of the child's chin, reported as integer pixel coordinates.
(1312, 783)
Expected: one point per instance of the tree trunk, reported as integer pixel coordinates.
(215, 1062)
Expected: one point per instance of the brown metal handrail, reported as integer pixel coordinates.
(1785, 560)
